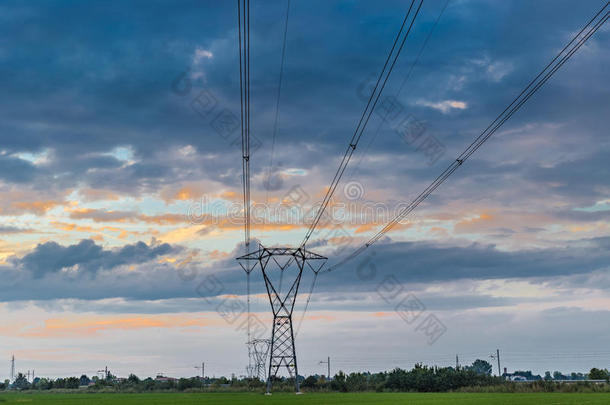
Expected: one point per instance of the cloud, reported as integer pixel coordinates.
(113, 92)
(90, 326)
(444, 106)
(51, 271)
(102, 215)
(13, 229)
(201, 54)
(36, 207)
(496, 70)
(16, 170)
(87, 257)
(97, 195)
(425, 262)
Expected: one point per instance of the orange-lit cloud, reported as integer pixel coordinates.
(382, 314)
(163, 219)
(229, 195)
(62, 327)
(182, 192)
(320, 318)
(36, 207)
(218, 255)
(365, 228)
(437, 230)
(473, 224)
(97, 215)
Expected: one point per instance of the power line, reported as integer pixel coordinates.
(243, 23)
(277, 103)
(402, 85)
(243, 15)
(313, 285)
(366, 115)
(504, 116)
(364, 119)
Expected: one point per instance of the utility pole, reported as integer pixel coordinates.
(327, 362)
(202, 370)
(497, 357)
(457, 362)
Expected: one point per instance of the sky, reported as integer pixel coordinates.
(120, 176)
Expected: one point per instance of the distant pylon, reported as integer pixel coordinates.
(259, 349)
(13, 368)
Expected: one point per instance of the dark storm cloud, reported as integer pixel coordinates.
(420, 262)
(86, 79)
(355, 302)
(577, 178)
(15, 170)
(90, 77)
(602, 215)
(37, 275)
(50, 257)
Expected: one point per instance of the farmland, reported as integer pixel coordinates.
(318, 399)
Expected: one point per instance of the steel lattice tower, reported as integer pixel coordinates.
(259, 351)
(282, 352)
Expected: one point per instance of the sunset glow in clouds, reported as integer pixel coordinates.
(121, 195)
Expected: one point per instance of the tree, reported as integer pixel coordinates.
(133, 379)
(84, 380)
(72, 382)
(309, 382)
(21, 382)
(356, 382)
(598, 374)
(43, 384)
(481, 367)
(338, 382)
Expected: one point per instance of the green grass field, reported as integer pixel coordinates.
(318, 399)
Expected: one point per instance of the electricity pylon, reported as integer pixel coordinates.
(286, 260)
(259, 349)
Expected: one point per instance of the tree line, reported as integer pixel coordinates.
(421, 379)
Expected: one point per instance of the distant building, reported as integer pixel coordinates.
(520, 376)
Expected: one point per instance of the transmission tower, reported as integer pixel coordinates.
(13, 368)
(259, 348)
(289, 263)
